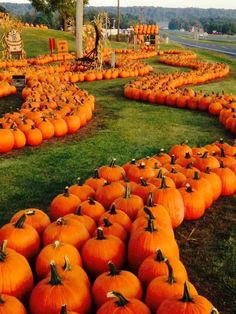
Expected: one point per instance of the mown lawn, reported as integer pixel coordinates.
(128, 129)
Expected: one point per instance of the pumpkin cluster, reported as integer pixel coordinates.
(108, 244)
(144, 29)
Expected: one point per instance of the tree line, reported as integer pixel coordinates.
(221, 25)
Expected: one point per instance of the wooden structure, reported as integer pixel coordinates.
(12, 44)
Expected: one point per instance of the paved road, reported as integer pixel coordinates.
(225, 49)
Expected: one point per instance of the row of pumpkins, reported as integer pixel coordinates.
(109, 246)
(53, 106)
(165, 89)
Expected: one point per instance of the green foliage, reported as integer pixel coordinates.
(222, 25)
(2, 9)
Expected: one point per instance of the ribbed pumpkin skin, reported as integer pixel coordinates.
(124, 281)
(144, 243)
(18, 278)
(56, 251)
(47, 298)
(174, 305)
(133, 307)
(160, 289)
(228, 179)
(194, 203)
(171, 199)
(10, 305)
(96, 253)
(215, 182)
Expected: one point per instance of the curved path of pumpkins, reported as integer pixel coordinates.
(74, 260)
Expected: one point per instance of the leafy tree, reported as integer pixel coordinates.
(2, 9)
(66, 8)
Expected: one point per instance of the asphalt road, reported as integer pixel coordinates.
(225, 49)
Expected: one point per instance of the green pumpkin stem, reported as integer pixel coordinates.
(143, 182)
(63, 309)
(66, 191)
(189, 188)
(79, 183)
(186, 295)
(113, 211)
(196, 175)
(20, 222)
(78, 211)
(163, 183)
(127, 191)
(172, 162)
(159, 256)
(106, 222)
(91, 201)
(113, 270)
(150, 202)
(67, 265)
(96, 175)
(150, 226)
(148, 212)
(55, 279)
(171, 278)
(100, 234)
(160, 174)
(3, 251)
(112, 163)
(121, 302)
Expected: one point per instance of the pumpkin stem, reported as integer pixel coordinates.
(156, 165)
(96, 175)
(189, 165)
(187, 155)
(1, 300)
(127, 191)
(160, 174)
(55, 278)
(67, 265)
(100, 234)
(159, 256)
(30, 212)
(133, 161)
(112, 163)
(61, 221)
(91, 201)
(56, 244)
(113, 211)
(172, 162)
(185, 142)
(3, 251)
(150, 227)
(63, 309)
(171, 278)
(148, 212)
(189, 188)
(121, 302)
(20, 222)
(143, 182)
(196, 175)
(214, 311)
(221, 141)
(107, 222)
(113, 270)
(160, 152)
(163, 183)
(222, 152)
(66, 191)
(142, 165)
(78, 211)
(208, 170)
(221, 164)
(205, 155)
(186, 295)
(173, 170)
(79, 183)
(150, 202)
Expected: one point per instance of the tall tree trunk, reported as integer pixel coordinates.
(79, 28)
(65, 22)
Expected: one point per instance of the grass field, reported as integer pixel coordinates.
(128, 129)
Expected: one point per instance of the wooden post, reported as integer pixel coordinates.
(118, 20)
(79, 28)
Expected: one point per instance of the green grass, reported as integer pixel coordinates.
(128, 129)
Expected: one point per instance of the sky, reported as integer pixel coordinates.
(226, 4)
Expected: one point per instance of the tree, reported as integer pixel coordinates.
(66, 8)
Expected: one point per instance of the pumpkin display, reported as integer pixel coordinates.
(82, 191)
(112, 172)
(108, 193)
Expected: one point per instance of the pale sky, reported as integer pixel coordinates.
(226, 4)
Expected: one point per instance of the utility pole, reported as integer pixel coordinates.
(79, 28)
(118, 20)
